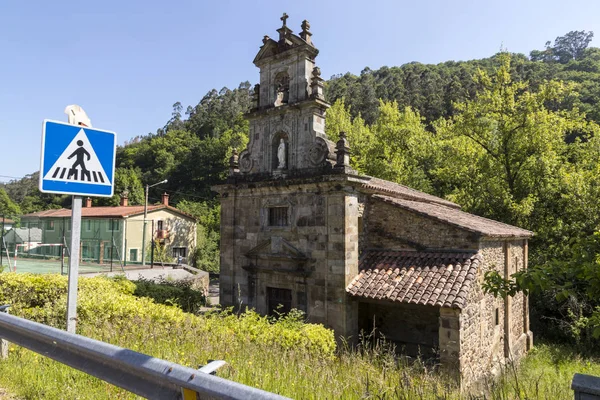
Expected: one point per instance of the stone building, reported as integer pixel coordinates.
(301, 229)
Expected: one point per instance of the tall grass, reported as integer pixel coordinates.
(287, 357)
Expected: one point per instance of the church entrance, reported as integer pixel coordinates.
(279, 301)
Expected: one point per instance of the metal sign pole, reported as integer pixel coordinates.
(74, 264)
(79, 162)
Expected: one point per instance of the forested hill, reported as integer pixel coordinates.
(432, 89)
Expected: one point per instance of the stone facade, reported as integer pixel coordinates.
(301, 229)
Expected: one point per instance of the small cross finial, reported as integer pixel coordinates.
(284, 18)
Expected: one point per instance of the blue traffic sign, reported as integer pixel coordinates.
(77, 160)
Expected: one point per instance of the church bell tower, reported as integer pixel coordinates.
(287, 121)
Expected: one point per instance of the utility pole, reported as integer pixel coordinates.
(145, 220)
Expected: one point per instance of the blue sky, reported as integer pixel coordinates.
(127, 62)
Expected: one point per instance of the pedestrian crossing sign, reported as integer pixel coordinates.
(77, 160)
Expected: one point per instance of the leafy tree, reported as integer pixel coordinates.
(569, 47)
(126, 180)
(339, 119)
(7, 207)
(206, 255)
(572, 45)
(504, 150)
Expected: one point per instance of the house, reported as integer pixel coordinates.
(301, 229)
(117, 233)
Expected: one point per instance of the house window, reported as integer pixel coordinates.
(133, 254)
(278, 216)
(159, 225)
(113, 225)
(88, 225)
(279, 301)
(179, 251)
(50, 225)
(497, 316)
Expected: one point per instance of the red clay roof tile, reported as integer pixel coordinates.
(426, 278)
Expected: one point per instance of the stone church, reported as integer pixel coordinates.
(301, 229)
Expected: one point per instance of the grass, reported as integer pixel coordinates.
(274, 357)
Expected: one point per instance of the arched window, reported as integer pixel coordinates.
(282, 88)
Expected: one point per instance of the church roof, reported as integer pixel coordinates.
(427, 278)
(380, 185)
(454, 216)
(287, 41)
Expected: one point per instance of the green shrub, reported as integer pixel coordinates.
(177, 292)
(110, 302)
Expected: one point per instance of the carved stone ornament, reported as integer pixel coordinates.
(318, 152)
(245, 161)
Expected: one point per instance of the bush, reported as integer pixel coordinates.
(108, 306)
(167, 292)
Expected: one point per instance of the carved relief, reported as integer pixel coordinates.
(317, 153)
(245, 162)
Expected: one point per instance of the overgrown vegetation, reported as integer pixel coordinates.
(181, 293)
(285, 356)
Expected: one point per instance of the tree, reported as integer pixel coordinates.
(7, 207)
(572, 45)
(569, 47)
(505, 150)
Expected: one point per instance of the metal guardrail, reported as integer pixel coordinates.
(586, 387)
(139, 373)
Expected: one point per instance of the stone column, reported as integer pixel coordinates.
(507, 303)
(526, 330)
(342, 264)
(449, 341)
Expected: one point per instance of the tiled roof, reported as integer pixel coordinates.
(470, 222)
(380, 185)
(104, 212)
(33, 235)
(426, 278)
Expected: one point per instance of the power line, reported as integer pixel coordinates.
(11, 177)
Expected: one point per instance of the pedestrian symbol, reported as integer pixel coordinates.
(77, 160)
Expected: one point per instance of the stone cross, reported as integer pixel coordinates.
(284, 18)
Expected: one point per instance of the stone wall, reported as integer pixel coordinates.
(322, 231)
(412, 328)
(391, 227)
(492, 329)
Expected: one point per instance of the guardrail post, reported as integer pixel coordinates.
(4, 343)
(586, 387)
(211, 369)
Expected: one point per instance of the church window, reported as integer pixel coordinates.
(278, 216)
(282, 88)
(497, 316)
